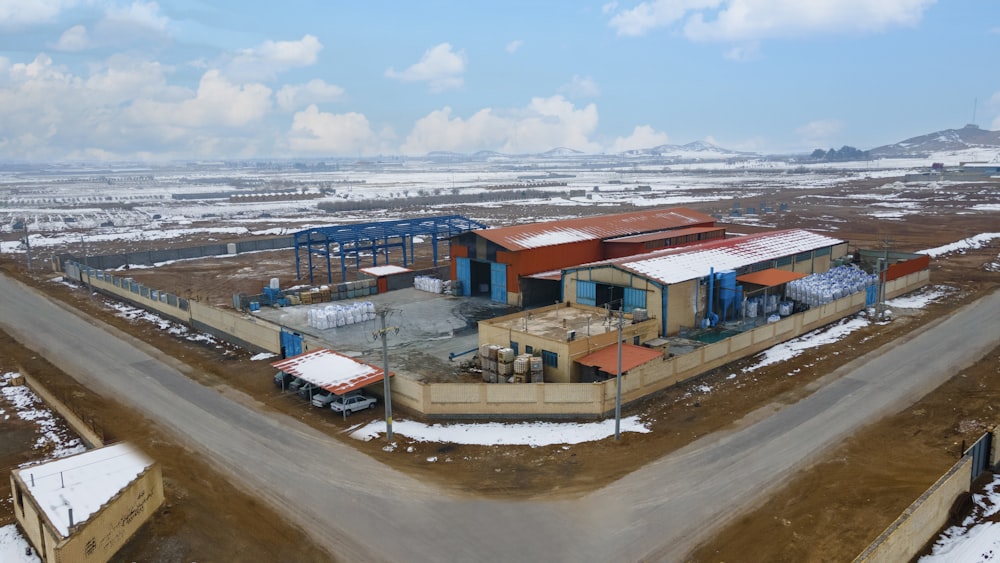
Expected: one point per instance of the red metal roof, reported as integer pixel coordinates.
(602, 227)
(770, 277)
(331, 370)
(660, 235)
(633, 356)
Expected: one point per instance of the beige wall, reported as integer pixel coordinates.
(597, 399)
(905, 537)
(101, 536)
(247, 329)
(88, 434)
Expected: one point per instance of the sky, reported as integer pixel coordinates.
(191, 79)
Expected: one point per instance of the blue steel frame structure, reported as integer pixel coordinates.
(381, 235)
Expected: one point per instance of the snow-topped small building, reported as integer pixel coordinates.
(86, 506)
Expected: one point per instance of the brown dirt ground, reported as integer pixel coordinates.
(828, 512)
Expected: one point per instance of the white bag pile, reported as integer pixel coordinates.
(820, 289)
(333, 316)
(431, 285)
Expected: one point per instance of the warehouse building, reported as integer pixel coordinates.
(684, 287)
(519, 264)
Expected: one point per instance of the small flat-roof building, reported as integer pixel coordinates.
(502, 262)
(85, 507)
(680, 286)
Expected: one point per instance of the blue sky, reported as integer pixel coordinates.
(123, 80)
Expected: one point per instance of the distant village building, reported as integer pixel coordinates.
(85, 507)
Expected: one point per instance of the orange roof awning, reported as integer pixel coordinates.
(331, 370)
(770, 277)
(633, 356)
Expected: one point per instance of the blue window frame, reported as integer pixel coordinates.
(513, 346)
(550, 359)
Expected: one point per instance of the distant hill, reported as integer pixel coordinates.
(968, 137)
(697, 150)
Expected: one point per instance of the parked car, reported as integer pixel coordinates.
(323, 398)
(308, 389)
(351, 403)
(296, 383)
(282, 379)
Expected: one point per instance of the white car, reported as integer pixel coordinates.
(352, 403)
(323, 398)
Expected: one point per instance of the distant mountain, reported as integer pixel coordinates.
(697, 150)
(968, 137)
(563, 151)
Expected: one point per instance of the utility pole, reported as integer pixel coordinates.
(27, 244)
(383, 333)
(883, 267)
(618, 378)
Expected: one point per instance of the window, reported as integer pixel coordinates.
(20, 499)
(550, 359)
(513, 346)
(784, 261)
(804, 256)
(635, 341)
(528, 349)
(822, 251)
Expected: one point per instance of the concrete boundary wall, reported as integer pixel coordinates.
(483, 400)
(597, 400)
(922, 520)
(84, 430)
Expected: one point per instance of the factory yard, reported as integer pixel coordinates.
(829, 511)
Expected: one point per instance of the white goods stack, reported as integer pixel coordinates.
(333, 316)
(431, 285)
(820, 289)
(536, 369)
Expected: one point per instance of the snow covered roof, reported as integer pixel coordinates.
(660, 235)
(537, 235)
(83, 482)
(379, 271)
(331, 370)
(696, 261)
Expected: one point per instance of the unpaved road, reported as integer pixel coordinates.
(363, 510)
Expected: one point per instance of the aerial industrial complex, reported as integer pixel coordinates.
(680, 293)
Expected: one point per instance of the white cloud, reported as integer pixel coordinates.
(748, 20)
(818, 134)
(440, 67)
(217, 102)
(642, 137)
(581, 87)
(743, 20)
(292, 97)
(513, 46)
(609, 7)
(138, 14)
(654, 14)
(20, 12)
(745, 52)
(125, 106)
(324, 133)
(271, 57)
(546, 123)
(73, 39)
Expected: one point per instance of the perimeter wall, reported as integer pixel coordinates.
(491, 400)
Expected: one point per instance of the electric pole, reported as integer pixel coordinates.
(383, 333)
(618, 378)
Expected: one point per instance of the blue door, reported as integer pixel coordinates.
(291, 343)
(464, 274)
(586, 292)
(498, 282)
(634, 298)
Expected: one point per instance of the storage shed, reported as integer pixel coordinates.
(85, 507)
(684, 285)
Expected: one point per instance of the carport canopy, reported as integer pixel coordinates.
(331, 370)
(770, 277)
(633, 356)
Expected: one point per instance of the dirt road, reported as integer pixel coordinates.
(362, 509)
